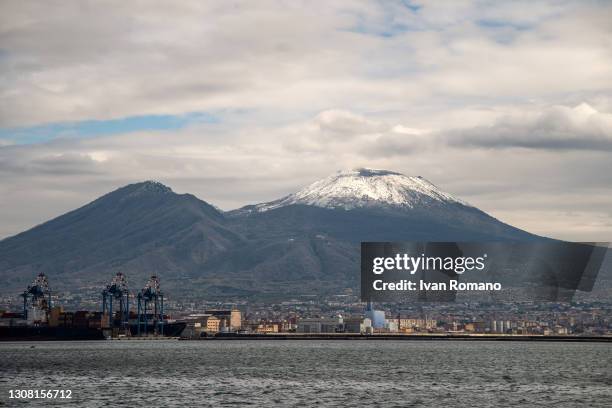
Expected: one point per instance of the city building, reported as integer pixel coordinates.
(319, 325)
(266, 328)
(230, 319)
(357, 325)
(377, 317)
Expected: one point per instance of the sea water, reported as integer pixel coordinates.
(309, 373)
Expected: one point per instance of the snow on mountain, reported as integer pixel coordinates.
(366, 188)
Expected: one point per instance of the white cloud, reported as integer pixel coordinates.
(109, 60)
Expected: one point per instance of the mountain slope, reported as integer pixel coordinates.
(323, 224)
(307, 242)
(142, 228)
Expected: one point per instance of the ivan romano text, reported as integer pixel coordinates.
(406, 285)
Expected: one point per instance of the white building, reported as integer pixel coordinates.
(376, 316)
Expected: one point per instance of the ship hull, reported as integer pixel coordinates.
(44, 333)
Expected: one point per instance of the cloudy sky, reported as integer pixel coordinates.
(507, 106)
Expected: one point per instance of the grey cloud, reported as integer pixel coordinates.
(346, 123)
(63, 164)
(555, 128)
(398, 143)
(18, 161)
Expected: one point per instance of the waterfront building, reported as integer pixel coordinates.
(319, 325)
(230, 318)
(266, 328)
(357, 324)
(202, 322)
(377, 317)
(416, 324)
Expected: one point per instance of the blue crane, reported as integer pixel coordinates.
(117, 291)
(151, 296)
(39, 294)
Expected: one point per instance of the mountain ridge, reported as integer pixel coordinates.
(146, 228)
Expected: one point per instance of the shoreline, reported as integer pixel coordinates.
(403, 337)
(337, 337)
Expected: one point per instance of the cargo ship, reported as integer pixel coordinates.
(64, 333)
(81, 325)
(40, 320)
(46, 333)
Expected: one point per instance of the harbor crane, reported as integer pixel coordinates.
(117, 292)
(39, 294)
(151, 297)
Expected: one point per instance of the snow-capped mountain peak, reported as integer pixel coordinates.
(366, 188)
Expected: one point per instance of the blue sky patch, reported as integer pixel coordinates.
(93, 128)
